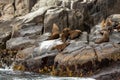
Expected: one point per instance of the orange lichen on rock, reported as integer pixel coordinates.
(103, 23)
(19, 67)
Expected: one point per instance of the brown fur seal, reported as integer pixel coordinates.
(105, 37)
(65, 34)
(103, 23)
(74, 34)
(55, 32)
(61, 47)
(106, 24)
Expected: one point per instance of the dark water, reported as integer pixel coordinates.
(9, 74)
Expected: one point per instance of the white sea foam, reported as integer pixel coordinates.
(66, 78)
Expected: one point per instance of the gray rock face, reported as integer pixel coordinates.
(8, 12)
(115, 37)
(12, 8)
(5, 33)
(58, 16)
(88, 53)
(19, 43)
(34, 49)
(43, 3)
(23, 6)
(75, 46)
(115, 17)
(95, 34)
(38, 62)
(43, 37)
(45, 47)
(31, 30)
(25, 54)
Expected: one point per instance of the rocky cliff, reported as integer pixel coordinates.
(26, 25)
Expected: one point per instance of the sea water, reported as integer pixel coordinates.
(9, 74)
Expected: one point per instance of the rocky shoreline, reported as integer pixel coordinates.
(24, 33)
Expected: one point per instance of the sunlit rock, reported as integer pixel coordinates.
(23, 6)
(46, 46)
(43, 3)
(115, 17)
(8, 12)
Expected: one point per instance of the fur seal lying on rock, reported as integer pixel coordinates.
(105, 37)
(55, 32)
(65, 34)
(74, 34)
(110, 25)
(71, 34)
(61, 47)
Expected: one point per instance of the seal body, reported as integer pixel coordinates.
(65, 34)
(105, 37)
(61, 47)
(74, 34)
(55, 32)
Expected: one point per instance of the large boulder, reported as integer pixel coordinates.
(35, 58)
(58, 16)
(23, 6)
(88, 53)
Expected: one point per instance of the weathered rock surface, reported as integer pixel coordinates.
(115, 37)
(5, 33)
(19, 43)
(12, 8)
(8, 12)
(23, 6)
(31, 30)
(38, 62)
(25, 54)
(35, 53)
(45, 47)
(58, 16)
(88, 53)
